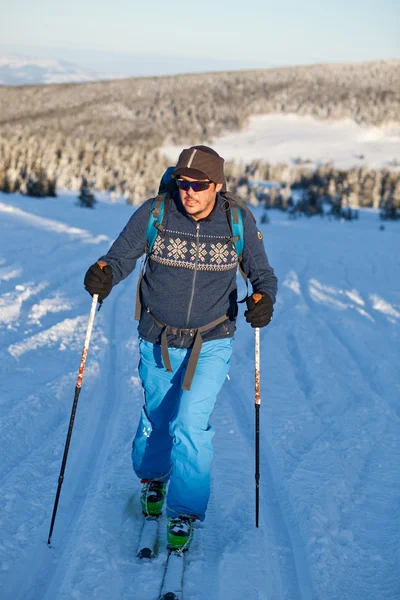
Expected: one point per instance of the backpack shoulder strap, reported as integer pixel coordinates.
(233, 199)
(154, 225)
(235, 218)
(236, 221)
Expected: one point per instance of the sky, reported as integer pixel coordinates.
(153, 34)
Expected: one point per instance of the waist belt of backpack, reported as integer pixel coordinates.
(196, 348)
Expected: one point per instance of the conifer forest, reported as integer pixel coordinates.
(106, 136)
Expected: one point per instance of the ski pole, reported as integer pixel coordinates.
(257, 298)
(73, 412)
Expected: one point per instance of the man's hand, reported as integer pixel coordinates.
(98, 280)
(259, 311)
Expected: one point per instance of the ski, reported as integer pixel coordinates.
(148, 538)
(173, 577)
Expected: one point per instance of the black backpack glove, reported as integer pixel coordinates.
(99, 281)
(259, 314)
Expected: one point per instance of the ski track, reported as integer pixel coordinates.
(373, 388)
(115, 549)
(96, 453)
(40, 567)
(354, 356)
(363, 386)
(277, 532)
(89, 467)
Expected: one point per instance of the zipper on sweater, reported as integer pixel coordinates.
(195, 274)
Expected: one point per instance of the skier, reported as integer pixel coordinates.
(188, 309)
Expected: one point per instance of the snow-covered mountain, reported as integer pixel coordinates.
(330, 436)
(27, 70)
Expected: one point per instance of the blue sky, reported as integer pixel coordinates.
(125, 34)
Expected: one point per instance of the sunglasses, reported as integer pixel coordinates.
(197, 186)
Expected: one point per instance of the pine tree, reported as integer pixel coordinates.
(86, 198)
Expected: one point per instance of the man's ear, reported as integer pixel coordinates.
(218, 187)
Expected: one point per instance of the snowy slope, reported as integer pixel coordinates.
(278, 138)
(330, 415)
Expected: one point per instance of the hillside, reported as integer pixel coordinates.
(149, 111)
(111, 132)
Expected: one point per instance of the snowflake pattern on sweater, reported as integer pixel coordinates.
(205, 255)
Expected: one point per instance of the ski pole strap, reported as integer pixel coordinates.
(196, 348)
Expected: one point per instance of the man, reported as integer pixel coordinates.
(187, 320)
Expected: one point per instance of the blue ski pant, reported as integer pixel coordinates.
(173, 438)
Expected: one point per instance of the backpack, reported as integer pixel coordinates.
(160, 207)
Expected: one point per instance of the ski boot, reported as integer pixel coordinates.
(152, 497)
(180, 533)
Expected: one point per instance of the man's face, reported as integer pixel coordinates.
(199, 204)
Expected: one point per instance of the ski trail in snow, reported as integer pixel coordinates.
(357, 358)
(86, 461)
(96, 455)
(239, 540)
(105, 528)
(286, 576)
(52, 225)
(57, 574)
(228, 535)
(352, 377)
(110, 525)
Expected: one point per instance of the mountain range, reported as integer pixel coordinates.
(18, 69)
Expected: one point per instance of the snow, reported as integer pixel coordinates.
(278, 138)
(330, 411)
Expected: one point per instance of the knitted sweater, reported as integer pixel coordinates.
(190, 277)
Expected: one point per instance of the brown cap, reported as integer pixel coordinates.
(201, 162)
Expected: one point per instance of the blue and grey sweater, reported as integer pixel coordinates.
(190, 277)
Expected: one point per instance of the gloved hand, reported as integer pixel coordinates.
(259, 314)
(98, 280)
